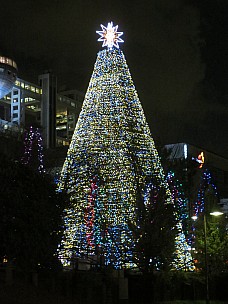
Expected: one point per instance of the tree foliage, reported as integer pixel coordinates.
(155, 232)
(217, 244)
(31, 222)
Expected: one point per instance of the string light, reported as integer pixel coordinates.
(182, 255)
(205, 182)
(32, 137)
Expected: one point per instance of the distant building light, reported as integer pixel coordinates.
(8, 61)
(200, 160)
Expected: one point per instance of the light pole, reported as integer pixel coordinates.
(206, 259)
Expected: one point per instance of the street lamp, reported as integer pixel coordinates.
(214, 213)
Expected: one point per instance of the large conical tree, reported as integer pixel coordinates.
(111, 160)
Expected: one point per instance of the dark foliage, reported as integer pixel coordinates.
(31, 222)
(217, 244)
(155, 233)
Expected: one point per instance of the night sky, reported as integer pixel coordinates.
(176, 50)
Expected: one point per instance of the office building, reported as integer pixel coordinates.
(40, 105)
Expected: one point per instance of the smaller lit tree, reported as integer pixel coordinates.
(154, 231)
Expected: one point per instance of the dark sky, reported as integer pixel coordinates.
(176, 50)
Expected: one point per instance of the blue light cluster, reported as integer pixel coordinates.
(205, 183)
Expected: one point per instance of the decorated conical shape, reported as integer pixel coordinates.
(110, 162)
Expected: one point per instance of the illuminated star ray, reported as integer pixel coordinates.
(110, 36)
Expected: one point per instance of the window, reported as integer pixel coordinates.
(15, 115)
(15, 108)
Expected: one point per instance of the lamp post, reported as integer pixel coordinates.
(214, 213)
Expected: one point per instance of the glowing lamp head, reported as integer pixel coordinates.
(216, 213)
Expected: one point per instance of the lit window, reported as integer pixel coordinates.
(31, 107)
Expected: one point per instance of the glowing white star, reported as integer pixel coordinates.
(110, 36)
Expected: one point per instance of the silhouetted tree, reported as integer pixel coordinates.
(31, 216)
(155, 231)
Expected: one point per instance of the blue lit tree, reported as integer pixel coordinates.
(33, 149)
(207, 185)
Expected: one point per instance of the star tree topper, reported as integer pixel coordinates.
(110, 36)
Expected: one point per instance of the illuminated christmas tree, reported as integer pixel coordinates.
(110, 163)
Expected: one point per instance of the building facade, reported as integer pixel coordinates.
(217, 165)
(41, 105)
